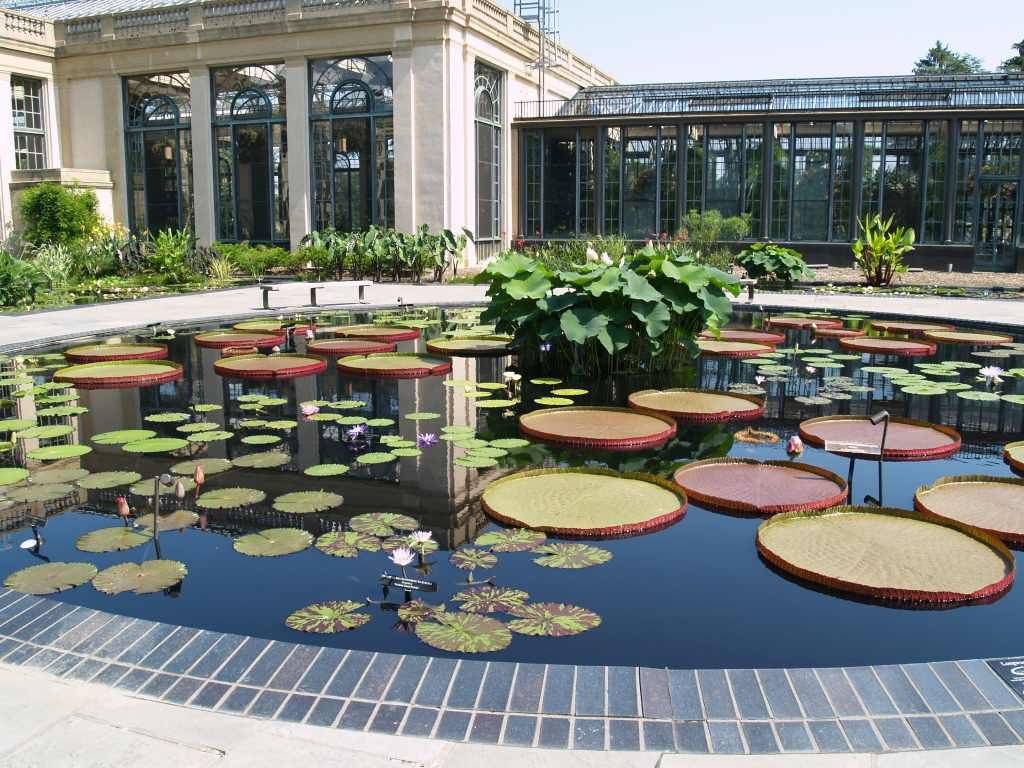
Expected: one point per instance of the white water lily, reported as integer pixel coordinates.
(402, 556)
(561, 290)
(591, 254)
(421, 536)
(991, 372)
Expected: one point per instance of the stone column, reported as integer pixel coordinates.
(6, 154)
(51, 120)
(403, 82)
(204, 184)
(299, 185)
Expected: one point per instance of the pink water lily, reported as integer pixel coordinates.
(795, 446)
(179, 489)
(308, 409)
(357, 431)
(426, 439)
(310, 334)
(402, 556)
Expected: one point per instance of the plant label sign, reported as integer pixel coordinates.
(409, 585)
(1011, 671)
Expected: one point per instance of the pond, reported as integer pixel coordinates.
(692, 594)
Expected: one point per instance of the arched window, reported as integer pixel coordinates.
(158, 144)
(352, 138)
(251, 144)
(489, 152)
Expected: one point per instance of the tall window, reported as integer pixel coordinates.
(29, 128)
(641, 185)
(158, 141)
(533, 153)
(559, 179)
(894, 159)
(489, 116)
(812, 162)
(966, 182)
(937, 137)
(251, 153)
(731, 170)
(353, 143)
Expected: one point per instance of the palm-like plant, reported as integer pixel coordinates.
(879, 251)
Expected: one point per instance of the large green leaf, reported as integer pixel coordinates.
(41, 493)
(115, 539)
(12, 475)
(533, 286)
(609, 281)
(263, 460)
(638, 288)
(305, 502)
(511, 264)
(328, 617)
(382, 524)
(570, 555)
(273, 542)
(489, 599)
(230, 498)
(552, 619)
(470, 558)
(50, 577)
(511, 539)
(415, 611)
(615, 338)
(582, 323)
(655, 316)
(464, 633)
(140, 578)
(347, 543)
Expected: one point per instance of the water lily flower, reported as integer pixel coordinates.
(759, 380)
(421, 536)
(591, 254)
(123, 509)
(308, 409)
(199, 476)
(310, 334)
(402, 556)
(508, 375)
(545, 347)
(992, 373)
(426, 439)
(562, 290)
(276, 349)
(179, 489)
(795, 446)
(357, 431)
(811, 369)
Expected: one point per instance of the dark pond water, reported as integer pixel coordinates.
(693, 595)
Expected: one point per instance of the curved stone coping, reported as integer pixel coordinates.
(736, 711)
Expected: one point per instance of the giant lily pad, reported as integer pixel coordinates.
(12, 475)
(470, 558)
(230, 498)
(305, 502)
(489, 599)
(264, 460)
(140, 578)
(50, 577)
(172, 521)
(464, 633)
(115, 539)
(382, 524)
(510, 443)
(57, 452)
(39, 493)
(45, 432)
(347, 543)
(155, 445)
(261, 439)
(273, 542)
(552, 619)
(422, 416)
(198, 426)
(511, 539)
(15, 425)
(210, 466)
(328, 617)
(415, 611)
(167, 417)
(123, 436)
(570, 555)
(476, 462)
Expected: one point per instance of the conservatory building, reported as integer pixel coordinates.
(262, 120)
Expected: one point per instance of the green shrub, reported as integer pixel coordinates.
(55, 214)
(258, 260)
(56, 262)
(174, 258)
(20, 280)
(771, 262)
(604, 316)
(708, 232)
(880, 249)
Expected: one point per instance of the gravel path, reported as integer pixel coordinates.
(1005, 280)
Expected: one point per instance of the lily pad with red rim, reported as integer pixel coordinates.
(120, 374)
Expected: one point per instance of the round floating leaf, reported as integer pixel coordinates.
(39, 493)
(329, 617)
(173, 521)
(252, 423)
(261, 440)
(273, 542)
(422, 416)
(169, 417)
(510, 443)
(569, 392)
(923, 390)
(325, 470)
(476, 462)
(347, 543)
(45, 432)
(264, 460)
(248, 398)
(382, 524)
(473, 394)
(347, 405)
(62, 411)
(489, 452)
(813, 400)
(415, 611)
(50, 577)
(140, 578)
(380, 422)
(211, 436)
(230, 498)
(456, 383)
(489, 385)
(489, 599)
(469, 559)
(511, 539)
(984, 397)
(452, 429)
(546, 382)
(1014, 399)
(552, 619)
(210, 466)
(553, 401)
(376, 458)
(281, 424)
(122, 436)
(12, 475)
(494, 403)
(406, 452)
(464, 633)
(206, 407)
(272, 402)
(198, 426)
(63, 475)
(350, 421)
(57, 452)
(570, 555)
(306, 502)
(471, 442)
(155, 445)
(115, 539)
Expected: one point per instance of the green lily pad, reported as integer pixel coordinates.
(264, 460)
(252, 423)
(490, 599)
(476, 462)
(1014, 399)
(12, 475)
(168, 417)
(61, 411)
(569, 392)
(348, 405)
(280, 424)
(489, 452)
(39, 493)
(553, 401)
(350, 421)
(415, 611)
(552, 619)
(248, 398)
(458, 429)
(140, 578)
(272, 402)
(115, 539)
(57, 452)
(325, 470)
(510, 443)
(984, 397)
(122, 436)
(206, 408)
(155, 445)
(406, 453)
(210, 466)
(471, 442)
(198, 426)
(511, 539)
(570, 555)
(211, 436)
(474, 394)
(50, 577)
(464, 633)
(261, 440)
(328, 617)
(380, 422)
(923, 390)
(546, 382)
(382, 524)
(230, 498)
(376, 458)
(493, 385)
(306, 502)
(45, 432)
(274, 542)
(172, 521)
(145, 487)
(422, 416)
(495, 403)
(470, 558)
(347, 543)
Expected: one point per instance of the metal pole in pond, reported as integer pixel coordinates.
(159, 480)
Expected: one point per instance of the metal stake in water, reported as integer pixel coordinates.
(159, 480)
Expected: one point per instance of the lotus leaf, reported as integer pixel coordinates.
(494, 403)
(122, 436)
(39, 493)
(281, 424)
(206, 407)
(305, 502)
(273, 542)
(382, 524)
(406, 453)
(198, 426)
(470, 558)
(210, 466)
(261, 440)
(12, 475)
(210, 436)
(50, 577)
(376, 458)
(115, 539)
(490, 599)
(570, 555)
(155, 445)
(230, 498)
(415, 611)
(57, 452)
(140, 578)
(173, 521)
(264, 460)
(45, 432)
(511, 539)
(476, 462)
(169, 417)
(552, 619)
(329, 617)
(347, 543)
(422, 416)
(464, 633)
(510, 443)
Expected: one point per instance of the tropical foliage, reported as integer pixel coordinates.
(602, 315)
(1014, 63)
(880, 249)
(57, 215)
(773, 263)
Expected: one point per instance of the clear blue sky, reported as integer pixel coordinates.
(639, 41)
